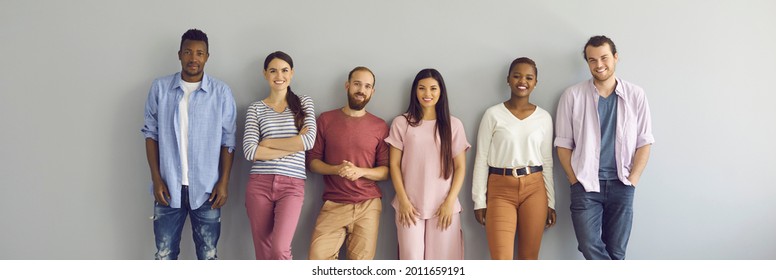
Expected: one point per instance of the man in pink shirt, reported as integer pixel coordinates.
(350, 152)
(603, 133)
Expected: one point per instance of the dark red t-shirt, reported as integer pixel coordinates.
(355, 139)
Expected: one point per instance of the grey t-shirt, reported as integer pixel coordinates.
(607, 115)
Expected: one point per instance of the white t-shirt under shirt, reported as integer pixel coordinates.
(504, 141)
(183, 116)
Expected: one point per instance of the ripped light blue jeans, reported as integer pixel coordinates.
(168, 224)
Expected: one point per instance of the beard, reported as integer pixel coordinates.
(603, 77)
(356, 105)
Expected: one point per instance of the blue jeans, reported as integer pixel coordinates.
(602, 220)
(168, 224)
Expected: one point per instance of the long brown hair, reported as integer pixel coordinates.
(294, 104)
(415, 114)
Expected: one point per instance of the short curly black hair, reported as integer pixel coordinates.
(195, 35)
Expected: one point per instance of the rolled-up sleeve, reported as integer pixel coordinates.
(564, 130)
(644, 123)
(150, 124)
(228, 120)
(396, 134)
(308, 139)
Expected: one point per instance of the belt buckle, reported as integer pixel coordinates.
(514, 172)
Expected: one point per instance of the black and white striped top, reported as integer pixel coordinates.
(263, 122)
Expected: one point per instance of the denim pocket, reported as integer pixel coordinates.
(208, 202)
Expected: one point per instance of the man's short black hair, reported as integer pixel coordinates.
(195, 35)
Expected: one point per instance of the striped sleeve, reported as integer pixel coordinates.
(264, 123)
(308, 139)
(252, 133)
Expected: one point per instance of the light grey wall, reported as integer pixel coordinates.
(75, 74)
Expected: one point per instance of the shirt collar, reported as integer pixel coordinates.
(204, 86)
(618, 89)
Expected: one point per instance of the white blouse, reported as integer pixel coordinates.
(504, 141)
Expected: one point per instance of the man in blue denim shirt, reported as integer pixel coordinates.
(189, 130)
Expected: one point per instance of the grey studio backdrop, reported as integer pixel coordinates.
(75, 75)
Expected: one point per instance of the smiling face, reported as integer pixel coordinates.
(522, 80)
(427, 92)
(278, 74)
(193, 56)
(601, 62)
(360, 87)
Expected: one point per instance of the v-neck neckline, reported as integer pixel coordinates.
(536, 108)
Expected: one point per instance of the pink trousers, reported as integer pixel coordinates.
(424, 241)
(274, 203)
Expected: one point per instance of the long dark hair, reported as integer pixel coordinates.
(294, 104)
(415, 114)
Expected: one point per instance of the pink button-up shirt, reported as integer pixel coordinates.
(577, 128)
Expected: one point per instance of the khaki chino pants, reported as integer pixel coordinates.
(358, 222)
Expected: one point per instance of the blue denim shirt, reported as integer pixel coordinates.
(211, 126)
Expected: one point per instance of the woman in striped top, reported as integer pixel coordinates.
(278, 131)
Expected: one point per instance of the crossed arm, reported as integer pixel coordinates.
(279, 147)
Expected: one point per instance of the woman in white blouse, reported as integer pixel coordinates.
(512, 185)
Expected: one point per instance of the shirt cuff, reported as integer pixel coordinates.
(151, 135)
(480, 204)
(562, 142)
(394, 143)
(644, 140)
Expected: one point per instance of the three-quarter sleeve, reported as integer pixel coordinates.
(308, 139)
(228, 120)
(150, 123)
(251, 136)
(318, 148)
(564, 133)
(644, 123)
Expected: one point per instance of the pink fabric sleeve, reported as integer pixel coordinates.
(396, 134)
(460, 144)
(564, 132)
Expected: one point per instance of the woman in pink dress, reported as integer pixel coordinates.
(428, 165)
